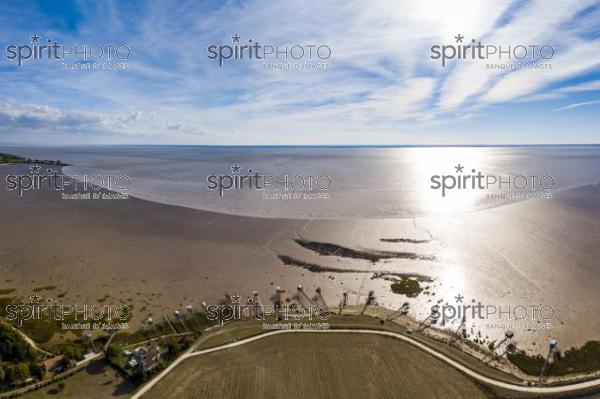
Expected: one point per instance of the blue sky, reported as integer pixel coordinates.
(380, 87)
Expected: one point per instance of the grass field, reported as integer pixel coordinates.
(236, 330)
(10, 158)
(318, 366)
(98, 380)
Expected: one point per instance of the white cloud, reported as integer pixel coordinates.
(581, 57)
(587, 86)
(380, 76)
(536, 23)
(34, 118)
(577, 105)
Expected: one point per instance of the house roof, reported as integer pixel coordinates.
(149, 356)
(52, 363)
(152, 352)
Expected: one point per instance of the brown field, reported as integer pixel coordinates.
(317, 366)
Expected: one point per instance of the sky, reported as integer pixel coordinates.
(380, 85)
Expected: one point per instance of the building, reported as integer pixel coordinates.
(132, 363)
(146, 358)
(52, 366)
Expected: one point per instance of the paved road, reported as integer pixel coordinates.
(573, 388)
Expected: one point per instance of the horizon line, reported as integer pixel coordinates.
(302, 145)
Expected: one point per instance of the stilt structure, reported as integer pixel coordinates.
(343, 302)
(256, 309)
(459, 331)
(431, 319)
(277, 301)
(549, 360)
(303, 298)
(370, 300)
(401, 311)
(318, 298)
(181, 319)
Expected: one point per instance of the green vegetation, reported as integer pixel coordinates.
(114, 357)
(16, 356)
(6, 291)
(97, 381)
(13, 347)
(10, 158)
(40, 330)
(4, 301)
(18, 361)
(173, 346)
(71, 350)
(127, 338)
(531, 365)
(113, 352)
(408, 287)
(43, 330)
(15, 374)
(231, 332)
(197, 322)
(574, 360)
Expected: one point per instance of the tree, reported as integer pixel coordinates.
(114, 351)
(9, 375)
(21, 372)
(35, 369)
(173, 346)
(138, 376)
(13, 347)
(72, 352)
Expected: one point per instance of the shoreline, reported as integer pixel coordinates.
(295, 219)
(272, 228)
(188, 188)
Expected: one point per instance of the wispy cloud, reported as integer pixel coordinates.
(577, 105)
(381, 83)
(580, 58)
(44, 120)
(587, 86)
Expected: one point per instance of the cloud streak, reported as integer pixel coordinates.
(380, 83)
(577, 105)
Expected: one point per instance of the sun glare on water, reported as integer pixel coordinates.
(456, 162)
